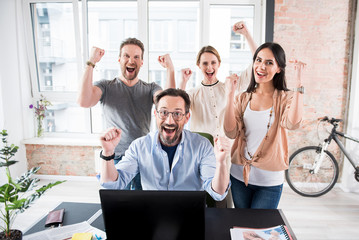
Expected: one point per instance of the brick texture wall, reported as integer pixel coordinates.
(317, 33)
(62, 160)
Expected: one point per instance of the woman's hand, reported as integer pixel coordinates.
(298, 67)
(241, 28)
(232, 83)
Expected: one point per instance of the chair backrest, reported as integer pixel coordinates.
(206, 135)
(210, 202)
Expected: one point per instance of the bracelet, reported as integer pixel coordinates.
(300, 89)
(89, 63)
(107, 158)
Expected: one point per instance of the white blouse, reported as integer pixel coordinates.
(208, 104)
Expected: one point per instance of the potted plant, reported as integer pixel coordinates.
(16, 195)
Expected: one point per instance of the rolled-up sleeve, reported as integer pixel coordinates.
(287, 105)
(127, 169)
(238, 114)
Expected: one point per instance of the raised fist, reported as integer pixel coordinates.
(96, 54)
(232, 82)
(240, 28)
(186, 74)
(110, 139)
(165, 61)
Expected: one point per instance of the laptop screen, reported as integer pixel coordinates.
(154, 215)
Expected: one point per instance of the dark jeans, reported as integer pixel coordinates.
(253, 196)
(135, 183)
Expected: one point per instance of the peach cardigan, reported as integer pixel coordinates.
(272, 153)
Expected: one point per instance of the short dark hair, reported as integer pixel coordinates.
(173, 92)
(133, 41)
(279, 79)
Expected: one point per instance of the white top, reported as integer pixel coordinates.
(208, 105)
(256, 128)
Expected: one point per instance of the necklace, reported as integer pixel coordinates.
(266, 136)
(209, 85)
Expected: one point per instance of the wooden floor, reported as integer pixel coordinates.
(332, 216)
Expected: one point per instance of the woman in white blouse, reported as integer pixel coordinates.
(208, 101)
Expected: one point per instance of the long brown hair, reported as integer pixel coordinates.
(279, 79)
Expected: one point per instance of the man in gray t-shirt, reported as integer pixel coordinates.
(126, 100)
(128, 107)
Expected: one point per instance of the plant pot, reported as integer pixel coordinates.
(14, 235)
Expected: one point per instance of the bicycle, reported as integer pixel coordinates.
(313, 170)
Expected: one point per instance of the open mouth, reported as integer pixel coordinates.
(130, 69)
(261, 74)
(210, 74)
(169, 129)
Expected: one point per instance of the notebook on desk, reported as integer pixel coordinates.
(153, 215)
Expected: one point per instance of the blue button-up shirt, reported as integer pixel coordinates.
(193, 167)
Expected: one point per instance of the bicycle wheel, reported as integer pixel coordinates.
(301, 178)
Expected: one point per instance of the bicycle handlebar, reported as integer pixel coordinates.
(331, 121)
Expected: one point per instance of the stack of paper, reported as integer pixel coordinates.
(66, 232)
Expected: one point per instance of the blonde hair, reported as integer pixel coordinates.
(208, 49)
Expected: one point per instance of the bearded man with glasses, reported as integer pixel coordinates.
(170, 158)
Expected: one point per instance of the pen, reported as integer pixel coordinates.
(98, 237)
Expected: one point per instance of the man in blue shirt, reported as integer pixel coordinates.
(170, 158)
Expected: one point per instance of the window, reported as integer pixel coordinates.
(233, 48)
(174, 30)
(63, 32)
(109, 23)
(56, 55)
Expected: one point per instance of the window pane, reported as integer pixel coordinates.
(65, 118)
(173, 29)
(109, 23)
(55, 49)
(98, 123)
(232, 47)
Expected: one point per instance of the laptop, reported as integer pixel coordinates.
(153, 215)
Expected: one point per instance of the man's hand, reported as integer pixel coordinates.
(232, 83)
(165, 61)
(222, 146)
(96, 54)
(109, 140)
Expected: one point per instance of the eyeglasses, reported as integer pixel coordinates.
(177, 116)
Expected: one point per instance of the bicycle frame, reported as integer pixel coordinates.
(334, 135)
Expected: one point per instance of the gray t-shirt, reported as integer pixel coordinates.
(127, 108)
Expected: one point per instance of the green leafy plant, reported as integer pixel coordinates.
(16, 195)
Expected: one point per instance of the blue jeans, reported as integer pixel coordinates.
(135, 183)
(253, 196)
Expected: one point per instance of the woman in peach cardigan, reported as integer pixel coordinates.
(258, 120)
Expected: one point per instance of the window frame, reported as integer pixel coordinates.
(82, 43)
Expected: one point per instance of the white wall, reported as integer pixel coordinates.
(2, 170)
(13, 77)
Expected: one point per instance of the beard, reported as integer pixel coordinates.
(168, 140)
(125, 75)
